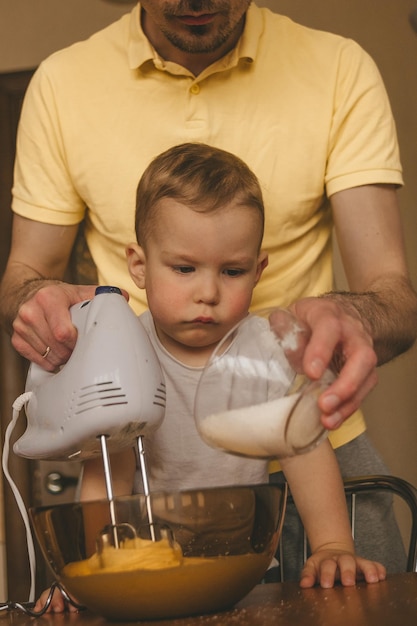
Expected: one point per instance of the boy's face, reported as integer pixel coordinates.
(199, 271)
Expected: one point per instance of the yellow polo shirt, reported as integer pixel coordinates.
(305, 109)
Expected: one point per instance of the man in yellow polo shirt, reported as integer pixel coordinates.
(305, 109)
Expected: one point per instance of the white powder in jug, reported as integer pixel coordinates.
(256, 431)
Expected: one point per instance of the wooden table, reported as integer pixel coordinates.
(390, 603)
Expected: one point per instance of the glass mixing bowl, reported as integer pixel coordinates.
(213, 546)
(250, 401)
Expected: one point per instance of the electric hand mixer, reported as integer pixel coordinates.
(108, 395)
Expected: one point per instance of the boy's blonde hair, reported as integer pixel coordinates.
(199, 176)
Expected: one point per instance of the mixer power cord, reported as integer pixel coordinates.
(18, 404)
(27, 607)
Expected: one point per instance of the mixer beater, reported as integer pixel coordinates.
(109, 487)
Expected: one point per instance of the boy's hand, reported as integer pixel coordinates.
(58, 603)
(327, 566)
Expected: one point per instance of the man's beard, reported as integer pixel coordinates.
(201, 38)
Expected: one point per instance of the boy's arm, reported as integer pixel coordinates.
(93, 487)
(317, 488)
(122, 465)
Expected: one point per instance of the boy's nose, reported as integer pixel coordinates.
(208, 290)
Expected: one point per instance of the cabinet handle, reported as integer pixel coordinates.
(56, 483)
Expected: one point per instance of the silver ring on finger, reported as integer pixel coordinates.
(47, 351)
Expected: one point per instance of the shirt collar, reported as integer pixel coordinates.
(140, 51)
(248, 43)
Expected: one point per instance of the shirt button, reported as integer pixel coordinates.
(195, 89)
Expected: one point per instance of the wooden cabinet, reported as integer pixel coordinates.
(12, 367)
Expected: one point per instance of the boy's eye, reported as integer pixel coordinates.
(184, 269)
(234, 272)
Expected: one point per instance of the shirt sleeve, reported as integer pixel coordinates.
(363, 146)
(43, 189)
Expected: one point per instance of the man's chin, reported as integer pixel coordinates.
(203, 39)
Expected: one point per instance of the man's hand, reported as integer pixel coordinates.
(42, 330)
(319, 333)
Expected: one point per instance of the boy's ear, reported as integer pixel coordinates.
(136, 262)
(262, 263)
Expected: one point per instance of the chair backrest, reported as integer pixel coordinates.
(356, 486)
(396, 486)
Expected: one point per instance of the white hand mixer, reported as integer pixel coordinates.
(109, 394)
(112, 387)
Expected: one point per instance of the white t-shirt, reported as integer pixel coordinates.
(176, 456)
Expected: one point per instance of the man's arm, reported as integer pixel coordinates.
(34, 302)
(358, 330)
(369, 232)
